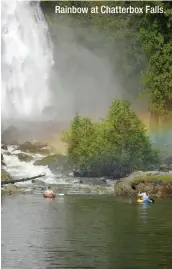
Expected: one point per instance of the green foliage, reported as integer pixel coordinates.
(156, 39)
(129, 33)
(113, 147)
(152, 178)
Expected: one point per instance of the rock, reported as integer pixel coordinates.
(155, 186)
(4, 147)
(24, 157)
(2, 160)
(8, 153)
(93, 181)
(38, 182)
(123, 188)
(103, 180)
(164, 168)
(10, 189)
(10, 135)
(36, 147)
(48, 160)
(56, 163)
(76, 174)
(5, 176)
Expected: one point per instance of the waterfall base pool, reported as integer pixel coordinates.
(77, 231)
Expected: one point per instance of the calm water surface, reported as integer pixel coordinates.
(85, 232)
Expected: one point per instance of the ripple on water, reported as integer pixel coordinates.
(85, 232)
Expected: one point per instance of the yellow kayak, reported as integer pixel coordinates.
(140, 201)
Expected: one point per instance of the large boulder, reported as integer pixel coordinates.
(154, 185)
(56, 162)
(36, 147)
(24, 157)
(48, 160)
(124, 188)
(4, 147)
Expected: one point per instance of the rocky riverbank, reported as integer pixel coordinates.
(32, 159)
(29, 160)
(156, 184)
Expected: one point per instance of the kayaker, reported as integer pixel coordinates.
(49, 190)
(144, 196)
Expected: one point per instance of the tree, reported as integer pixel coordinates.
(156, 39)
(113, 147)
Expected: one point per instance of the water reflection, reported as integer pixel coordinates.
(85, 232)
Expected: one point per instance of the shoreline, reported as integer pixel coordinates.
(157, 186)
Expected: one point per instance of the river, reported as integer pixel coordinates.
(85, 231)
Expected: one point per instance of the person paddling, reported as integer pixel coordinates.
(144, 196)
(49, 191)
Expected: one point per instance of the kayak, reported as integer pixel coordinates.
(50, 195)
(140, 201)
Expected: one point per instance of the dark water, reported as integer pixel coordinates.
(85, 232)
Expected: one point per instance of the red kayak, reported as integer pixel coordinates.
(49, 195)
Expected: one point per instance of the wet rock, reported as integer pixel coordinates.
(155, 188)
(2, 160)
(56, 163)
(123, 188)
(103, 180)
(38, 182)
(8, 153)
(36, 147)
(164, 168)
(10, 189)
(48, 160)
(77, 174)
(93, 181)
(24, 157)
(5, 176)
(4, 147)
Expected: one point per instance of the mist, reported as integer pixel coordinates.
(84, 78)
(85, 83)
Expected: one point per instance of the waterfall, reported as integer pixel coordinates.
(27, 60)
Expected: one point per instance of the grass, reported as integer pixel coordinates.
(151, 179)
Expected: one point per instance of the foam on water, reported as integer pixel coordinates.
(66, 184)
(19, 169)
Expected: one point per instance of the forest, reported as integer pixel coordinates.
(120, 142)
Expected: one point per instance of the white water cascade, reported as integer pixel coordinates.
(27, 60)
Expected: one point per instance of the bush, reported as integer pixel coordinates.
(114, 147)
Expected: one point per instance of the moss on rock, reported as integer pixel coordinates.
(59, 160)
(5, 175)
(24, 157)
(10, 189)
(124, 188)
(155, 185)
(50, 159)
(36, 147)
